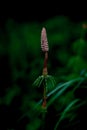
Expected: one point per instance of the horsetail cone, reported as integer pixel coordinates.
(45, 49)
(44, 41)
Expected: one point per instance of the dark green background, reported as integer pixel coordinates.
(21, 62)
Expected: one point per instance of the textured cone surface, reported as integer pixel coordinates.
(44, 41)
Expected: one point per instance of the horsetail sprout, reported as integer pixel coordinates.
(46, 81)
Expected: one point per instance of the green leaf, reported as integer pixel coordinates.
(38, 81)
(65, 111)
(50, 82)
(60, 89)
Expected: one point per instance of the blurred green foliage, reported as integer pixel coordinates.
(21, 62)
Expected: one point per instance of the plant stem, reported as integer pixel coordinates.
(45, 72)
(44, 108)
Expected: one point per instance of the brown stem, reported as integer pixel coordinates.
(44, 98)
(45, 72)
(44, 92)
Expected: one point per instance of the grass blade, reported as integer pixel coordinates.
(65, 111)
